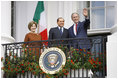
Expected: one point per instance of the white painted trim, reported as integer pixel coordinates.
(7, 39)
(111, 30)
(101, 7)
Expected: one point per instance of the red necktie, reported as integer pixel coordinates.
(76, 28)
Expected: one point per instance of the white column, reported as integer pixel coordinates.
(52, 10)
(68, 10)
(60, 9)
(5, 26)
(112, 56)
(82, 5)
(6, 22)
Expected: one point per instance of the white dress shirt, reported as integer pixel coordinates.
(62, 28)
(75, 29)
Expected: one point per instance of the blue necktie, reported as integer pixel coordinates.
(61, 30)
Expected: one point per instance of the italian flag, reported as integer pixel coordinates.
(40, 19)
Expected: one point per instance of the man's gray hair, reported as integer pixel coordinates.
(74, 13)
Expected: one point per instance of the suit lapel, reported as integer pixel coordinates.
(64, 32)
(79, 27)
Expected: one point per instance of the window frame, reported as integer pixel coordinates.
(105, 30)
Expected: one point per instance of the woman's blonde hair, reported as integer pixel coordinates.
(30, 24)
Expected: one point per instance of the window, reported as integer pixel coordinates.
(102, 14)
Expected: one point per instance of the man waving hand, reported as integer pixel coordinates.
(79, 30)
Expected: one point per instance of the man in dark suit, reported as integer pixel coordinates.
(58, 32)
(79, 30)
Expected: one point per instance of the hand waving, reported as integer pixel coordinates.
(85, 12)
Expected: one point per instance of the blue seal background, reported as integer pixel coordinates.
(46, 63)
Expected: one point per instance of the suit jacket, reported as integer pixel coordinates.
(81, 32)
(54, 33)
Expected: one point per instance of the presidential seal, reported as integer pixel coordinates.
(52, 60)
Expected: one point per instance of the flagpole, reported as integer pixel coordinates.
(38, 27)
